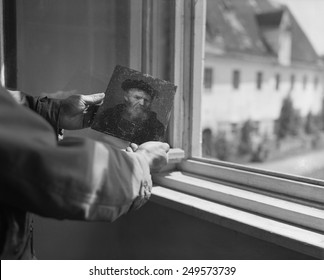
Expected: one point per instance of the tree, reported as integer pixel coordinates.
(289, 122)
(245, 146)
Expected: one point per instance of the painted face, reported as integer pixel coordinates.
(138, 101)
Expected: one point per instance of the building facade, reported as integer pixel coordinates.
(256, 55)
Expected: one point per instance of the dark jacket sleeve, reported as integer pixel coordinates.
(75, 178)
(48, 108)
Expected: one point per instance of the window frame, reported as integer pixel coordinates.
(179, 179)
(190, 124)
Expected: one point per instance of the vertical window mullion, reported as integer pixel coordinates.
(198, 53)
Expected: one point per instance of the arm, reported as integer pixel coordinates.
(74, 112)
(48, 108)
(75, 178)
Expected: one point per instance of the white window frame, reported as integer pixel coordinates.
(280, 208)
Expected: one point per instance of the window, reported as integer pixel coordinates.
(304, 82)
(249, 159)
(212, 176)
(208, 78)
(315, 82)
(292, 82)
(236, 79)
(259, 80)
(282, 118)
(234, 128)
(277, 82)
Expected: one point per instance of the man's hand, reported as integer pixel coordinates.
(78, 111)
(132, 148)
(155, 153)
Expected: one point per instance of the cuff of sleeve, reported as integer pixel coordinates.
(145, 187)
(50, 110)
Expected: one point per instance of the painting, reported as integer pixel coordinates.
(136, 107)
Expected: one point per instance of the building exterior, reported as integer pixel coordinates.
(256, 54)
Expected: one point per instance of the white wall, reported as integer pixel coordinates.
(224, 104)
(70, 45)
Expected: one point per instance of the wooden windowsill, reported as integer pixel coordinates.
(291, 225)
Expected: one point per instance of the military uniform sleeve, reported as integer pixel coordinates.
(75, 178)
(48, 108)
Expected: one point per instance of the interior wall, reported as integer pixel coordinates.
(70, 45)
(152, 232)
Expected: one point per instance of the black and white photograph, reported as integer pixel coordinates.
(162, 139)
(136, 108)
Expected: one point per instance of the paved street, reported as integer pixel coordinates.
(302, 165)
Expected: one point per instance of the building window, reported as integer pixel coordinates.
(234, 128)
(292, 81)
(278, 78)
(315, 82)
(259, 80)
(208, 78)
(236, 79)
(304, 82)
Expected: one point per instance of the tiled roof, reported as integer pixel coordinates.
(237, 25)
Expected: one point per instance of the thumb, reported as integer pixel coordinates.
(93, 99)
(165, 147)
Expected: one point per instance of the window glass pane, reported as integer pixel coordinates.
(272, 120)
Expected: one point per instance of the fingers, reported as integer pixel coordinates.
(89, 116)
(166, 147)
(93, 99)
(155, 154)
(92, 103)
(134, 147)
